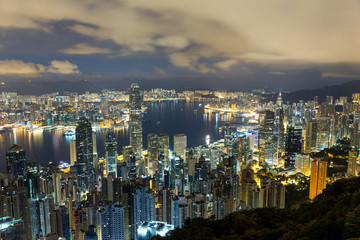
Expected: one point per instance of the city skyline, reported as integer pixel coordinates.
(241, 43)
(175, 120)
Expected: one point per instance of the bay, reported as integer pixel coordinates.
(170, 117)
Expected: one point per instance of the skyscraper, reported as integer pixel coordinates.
(144, 207)
(117, 221)
(136, 141)
(180, 143)
(84, 154)
(292, 146)
(111, 154)
(317, 177)
(310, 136)
(41, 210)
(164, 148)
(352, 170)
(15, 163)
(267, 144)
(72, 144)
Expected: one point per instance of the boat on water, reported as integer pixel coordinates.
(70, 133)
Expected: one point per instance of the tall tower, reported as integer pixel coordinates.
(352, 163)
(317, 177)
(111, 154)
(292, 146)
(279, 120)
(136, 138)
(84, 154)
(180, 143)
(16, 163)
(266, 138)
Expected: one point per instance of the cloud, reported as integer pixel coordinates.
(277, 73)
(196, 34)
(85, 49)
(20, 68)
(160, 70)
(225, 65)
(62, 67)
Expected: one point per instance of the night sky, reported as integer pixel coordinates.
(234, 43)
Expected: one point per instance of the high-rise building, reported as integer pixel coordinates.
(111, 154)
(266, 138)
(303, 163)
(41, 211)
(292, 146)
(164, 148)
(84, 155)
(117, 222)
(279, 123)
(310, 137)
(353, 165)
(144, 207)
(325, 133)
(272, 194)
(153, 153)
(150, 229)
(15, 163)
(180, 144)
(72, 144)
(317, 177)
(135, 123)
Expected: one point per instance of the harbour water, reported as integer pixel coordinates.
(171, 117)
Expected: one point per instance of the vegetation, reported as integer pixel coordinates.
(334, 214)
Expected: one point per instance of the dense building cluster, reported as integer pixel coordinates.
(140, 193)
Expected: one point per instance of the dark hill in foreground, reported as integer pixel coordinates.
(335, 214)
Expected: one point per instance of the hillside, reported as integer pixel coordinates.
(345, 89)
(335, 214)
(43, 87)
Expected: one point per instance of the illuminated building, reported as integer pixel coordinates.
(164, 148)
(84, 154)
(103, 226)
(144, 207)
(153, 153)
(353, 166)
(179, 211)
(317, 177)
(310, 137)
(14, 204)
(242, 151)
(62, 222)
(201, 169)
(117, 222)
(292, 146)
(72, 144)
(180, 144)
(15, 163)
(267, 143)
(150, 229)
(279, 123)
(41, 211)
(135, 124)
(272, 194)
(111, 154)
(325, 133)
(302, 163)
(12, 229)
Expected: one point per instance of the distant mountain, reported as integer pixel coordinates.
(345, 89)
(43, 87)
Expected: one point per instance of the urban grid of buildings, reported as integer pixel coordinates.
(142, 192)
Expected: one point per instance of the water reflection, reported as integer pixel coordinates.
(171, 117)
